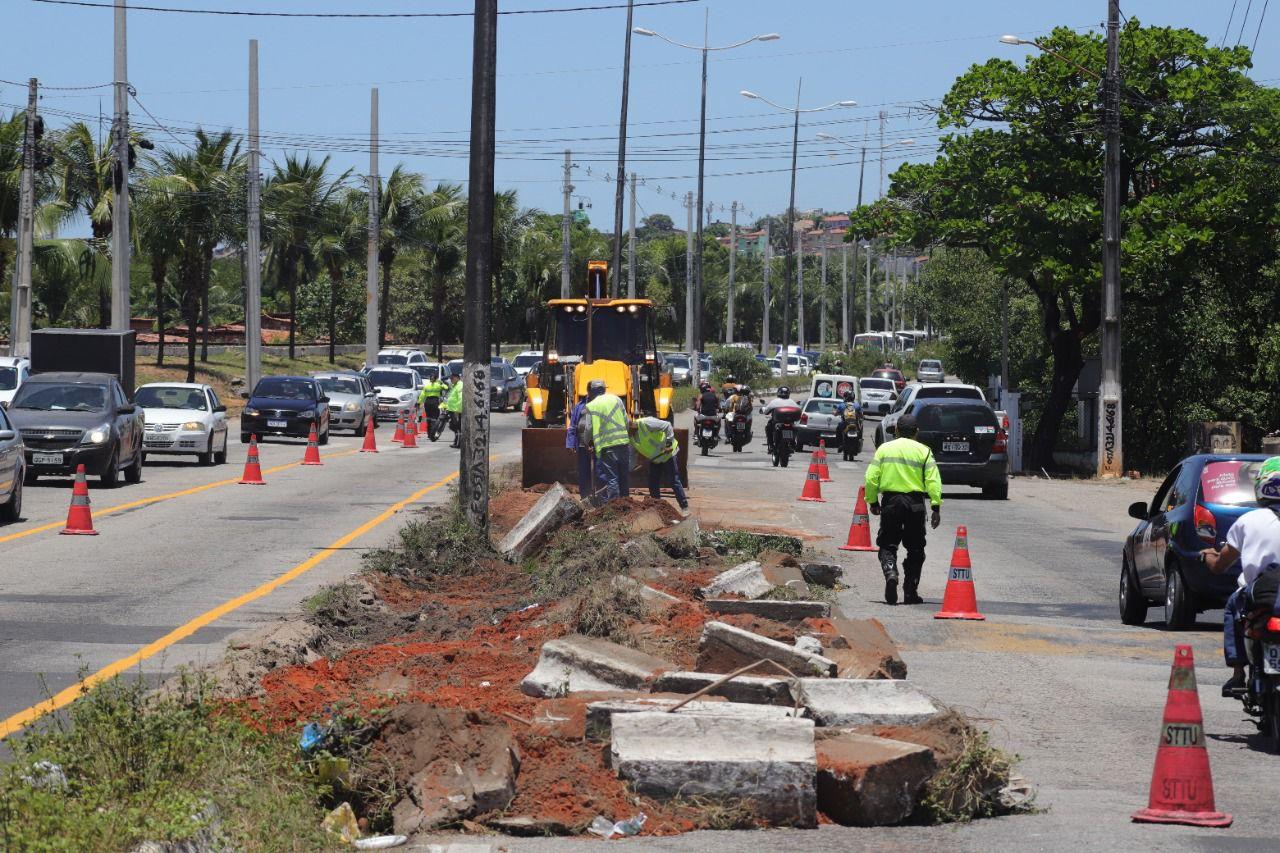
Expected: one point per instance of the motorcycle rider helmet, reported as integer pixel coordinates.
(848, 396)
(1266, 483)
(704, 387)
(784, 393)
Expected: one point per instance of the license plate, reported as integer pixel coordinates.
(278, 424)
(955, 447)
(786, 434)
(46, 458)
(157, 443)
(1271, 658)
(707, 432)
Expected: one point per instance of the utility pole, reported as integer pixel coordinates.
(372, 297)
(886, 300)
(253, 240)
(822, 298)
(862, 170)
(800, 336)
(766, 297)
(688, 282)
(620, 183)
(1004, 338)
(120, 179)
(698, 283)
(566, 255)
(20, 331)
(473, 473)
(883, 115)
(631, 244)
(1110, 433)
(733, 266)
(844, 294)
(791, 232)
(866, 279)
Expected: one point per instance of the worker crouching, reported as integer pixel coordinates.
(655, 439)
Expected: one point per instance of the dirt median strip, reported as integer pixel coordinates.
(69, 694)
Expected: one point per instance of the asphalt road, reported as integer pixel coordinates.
(1052, 673)
(189, 539)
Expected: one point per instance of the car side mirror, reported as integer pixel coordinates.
(219, 408)
(1138, 510)
(4, 404)
(127, 410)
(322, 399)
(371, 393)
(7, 435)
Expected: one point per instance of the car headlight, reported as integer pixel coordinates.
(98, 435)
(309, 415)
(193, 426)
(251, 412)
(404, 398)
(351, 407)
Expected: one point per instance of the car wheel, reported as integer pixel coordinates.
(220, 456)
(1179, 610)
(133, 474)
(324, 437)
(362, 429)
(206, 458)
(12, 511)
(244, 438)
(1133, 604)
(110, 475)
(996, 491)
(29, 478)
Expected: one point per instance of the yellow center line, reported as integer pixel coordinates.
(65, 697)
(195, 490)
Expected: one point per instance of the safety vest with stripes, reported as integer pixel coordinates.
(608, 422)
(906, 466)
(653, 444)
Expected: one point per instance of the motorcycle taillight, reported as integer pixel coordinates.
(1206, 525)
(804, 419)
(1273, 624)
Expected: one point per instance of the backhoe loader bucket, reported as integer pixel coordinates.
(545, 459)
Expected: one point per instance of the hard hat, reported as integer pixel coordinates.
(595, 387)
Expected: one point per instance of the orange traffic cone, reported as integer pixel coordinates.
(960, 601)
(398, 437)
(370, 443)
(812, 486)
(1181, 784)
(410, 435)
(79, 516)
(422, 422)
(820, 460)
(252, 475)
(312, 456)
(860, 529)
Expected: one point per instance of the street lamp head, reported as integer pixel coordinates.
(768, 37)
(847, 104)
(1012, 40)
(641, 31)
(826, 136)
(907, 142)
(744, 93)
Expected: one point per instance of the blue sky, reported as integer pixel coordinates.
(559, 83)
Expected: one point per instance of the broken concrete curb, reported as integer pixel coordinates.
(744, 688)
(863, 648)
(553, 509)
(576, 663)
(869, 781)
(779, 611)
(724, 648)
(600, 715)
(860, 702)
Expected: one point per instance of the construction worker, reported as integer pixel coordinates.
(611, 439)
(655, 439)
(899, 478)
(453, 407)
(429, 398)
(578, 439)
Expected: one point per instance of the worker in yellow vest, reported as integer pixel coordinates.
(610, 437)
(655, 439)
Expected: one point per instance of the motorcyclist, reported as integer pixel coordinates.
(847, 410)
(783, 400)
(429, 398)
(709, 403)
(737, 405)
(1254, 540)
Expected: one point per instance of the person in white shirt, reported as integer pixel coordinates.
(1254, 540)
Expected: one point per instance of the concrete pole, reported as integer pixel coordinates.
(619, 186)
(766, 296)
(120, 310)
(566, 254)
(866, 279)
(844, 294)
(20, 331)
(800, 336)
(733, 264)
(688, 279)
(372, 297)
(887, 296)
(631, 244)
(1110, 432)
(253, 239)
(822, 294)
(699, 283)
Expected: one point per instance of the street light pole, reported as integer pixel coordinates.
(120, 312)
(620, 180)
(1110, 447)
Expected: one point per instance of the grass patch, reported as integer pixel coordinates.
(606, 610)
(168, 768)
(720, 814)
(442, 543)
(750, 545)
(969, 786)
(576, 560)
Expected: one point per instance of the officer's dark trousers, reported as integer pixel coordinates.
(902, 520)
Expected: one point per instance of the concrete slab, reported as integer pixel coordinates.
(724, 648)
(576, 663)
(759, 690)
(745, 579)
(862, 648)
(600, 715)
(771, 763)
(865, 701)
(779, 611)
(869, 781)
(680, 540)
(552, 510)
(656, 599)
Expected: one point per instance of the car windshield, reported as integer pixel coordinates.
(526, 360)
(8, 378)
(887, 373)
(930, 365)
(1229, 483)
(876, 384)
(678, 361)
(427, 371)
(391, 379)
(339, 384)
(392, 358)
(822, 407)
(171, 397)
(285, 389)
(962, 417)
(47, 397)
(954, 392)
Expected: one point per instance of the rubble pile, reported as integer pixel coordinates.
(610, 662)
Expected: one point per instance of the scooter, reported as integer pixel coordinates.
(851, 439)
(1261, 695)
(784, 434)
(435, 421)
(737, 429)
(708, 429)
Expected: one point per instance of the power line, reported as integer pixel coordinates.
(1230, 18)
(1262, 17)
(246, 13)
(1245, 20)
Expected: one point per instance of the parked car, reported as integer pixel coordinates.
(818, 420)
(1192, 510)
(681, 369)
(13, 466)
(402, 357)
(930, 370)
(397, 390)
(775, 367)
(967, 441)
(526, 361)
(353, 404)
(289, 406)
(183, 418)
(14, 370)
(70, 419)
(899, 381)
(506, 388)
(919, 391)
(428, 371)
(878, 395)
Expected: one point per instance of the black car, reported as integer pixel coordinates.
(506, 387)
(1192, 510)
(967, 441)
(71, 419)
(286, 405)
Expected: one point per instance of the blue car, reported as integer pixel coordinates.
(286, 405)
(1192, 510)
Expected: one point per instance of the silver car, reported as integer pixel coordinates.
(930, 370)
(353, 404)
(878, 395)
(12, 470)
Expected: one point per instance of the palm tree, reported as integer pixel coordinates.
(156, 236)
(509, 222)
(11, 137)
(297, 202)
(340, 239)
(400, 226)
(443, 231)
(84, 173)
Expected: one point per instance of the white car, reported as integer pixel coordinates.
(183, 418)
(14, 370)
(525, 361)
(401, 357)
(681, 369)
(878, 395)
(398, 389)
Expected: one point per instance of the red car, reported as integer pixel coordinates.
(893, 373)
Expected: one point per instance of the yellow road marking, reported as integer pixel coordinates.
(65, 697)
(195, 490)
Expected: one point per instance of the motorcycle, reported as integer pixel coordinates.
(783, 443)
(435, 421)
(850, 438)
(708, 432)
(1261, 694)
(737, 428)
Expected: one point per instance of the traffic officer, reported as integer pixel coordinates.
(655, 439)
(453, 406)
(611, 440)
(899, 478)
(429, 398)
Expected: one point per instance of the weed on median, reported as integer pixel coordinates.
(441, 543)
(970, 785)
